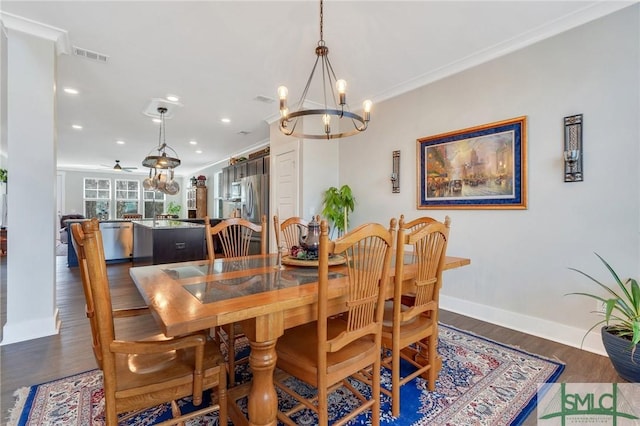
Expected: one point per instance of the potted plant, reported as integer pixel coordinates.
(621, 323)
(3, 175)
(174, 208)
(337, 204)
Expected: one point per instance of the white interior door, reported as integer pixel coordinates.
(286, 184)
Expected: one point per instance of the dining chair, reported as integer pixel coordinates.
(325, 353)
(78, 246)
(410, 330)
(141, 374)
(166, 216)
(288, 232)
(132, 216)
(235, 236)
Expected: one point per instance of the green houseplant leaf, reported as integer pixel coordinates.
(622, 305)
(337, 204)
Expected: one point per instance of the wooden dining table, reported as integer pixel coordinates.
(192, 296)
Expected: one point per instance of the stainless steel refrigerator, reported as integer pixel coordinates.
(254, 201)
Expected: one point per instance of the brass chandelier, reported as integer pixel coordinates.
(289, 121)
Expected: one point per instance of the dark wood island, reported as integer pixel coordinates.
(167, 241)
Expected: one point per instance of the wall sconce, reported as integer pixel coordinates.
(395, 173)
(573, 148)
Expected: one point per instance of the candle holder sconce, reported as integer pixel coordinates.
(395, 173)
(573, 148)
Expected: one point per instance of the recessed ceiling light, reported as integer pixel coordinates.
(156, 120)
(225, 120)
(120, 142)
(76, 126)
(71, 90)
(193, 142)
(198, 151)
(173, 98)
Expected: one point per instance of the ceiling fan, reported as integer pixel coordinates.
(117, 167)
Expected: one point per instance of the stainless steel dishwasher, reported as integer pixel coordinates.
(117, 238)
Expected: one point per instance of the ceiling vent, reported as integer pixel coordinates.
(243, 132)
(89, 54)
(264, 99)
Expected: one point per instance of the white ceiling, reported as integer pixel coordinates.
(218, 56)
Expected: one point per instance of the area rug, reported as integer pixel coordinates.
(482, 382)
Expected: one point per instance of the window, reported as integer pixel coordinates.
(127, 197)
(97, 198)
(153, 203)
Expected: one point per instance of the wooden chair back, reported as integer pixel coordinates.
(288, 232)
(429, 239)
(142, 374)
(166, 216)
(337, 348)
(77, 239)
(235, 236)
(410, 329)
(132, 216)
(414, 225)
(368, 250)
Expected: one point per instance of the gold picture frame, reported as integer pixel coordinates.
(481, 167)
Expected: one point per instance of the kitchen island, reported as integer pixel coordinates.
(167, 241)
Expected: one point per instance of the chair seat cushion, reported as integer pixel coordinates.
(297, 351)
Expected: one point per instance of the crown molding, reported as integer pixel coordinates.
(59, 36)
(587, 14)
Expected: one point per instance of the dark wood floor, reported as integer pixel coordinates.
(49, 358)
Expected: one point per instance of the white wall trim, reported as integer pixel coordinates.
(31, 329)
(38, 29)
(545, 329)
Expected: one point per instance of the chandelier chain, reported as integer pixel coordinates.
(321, 21)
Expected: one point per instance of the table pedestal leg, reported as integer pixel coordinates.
(263, 399)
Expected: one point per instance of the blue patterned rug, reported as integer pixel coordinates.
(481, 382)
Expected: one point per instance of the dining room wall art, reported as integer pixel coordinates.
(481, 167)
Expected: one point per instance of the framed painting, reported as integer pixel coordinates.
(482, 167)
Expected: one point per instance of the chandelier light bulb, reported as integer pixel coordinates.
(326, 119)
(366, 105)
(341, 85)
(282, 92)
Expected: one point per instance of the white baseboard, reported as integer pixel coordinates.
(32, 329)
(545, 329)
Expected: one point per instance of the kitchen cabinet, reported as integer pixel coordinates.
(235, 172)
(196, 202)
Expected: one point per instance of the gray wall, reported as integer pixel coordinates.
(519, 276)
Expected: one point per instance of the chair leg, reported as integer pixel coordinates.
(323, 406)
(433, 370)
(395, 382)
(375, 410)
(231, 352)
(222, 397)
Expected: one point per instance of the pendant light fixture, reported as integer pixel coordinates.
(327, 129)
(161, 160)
